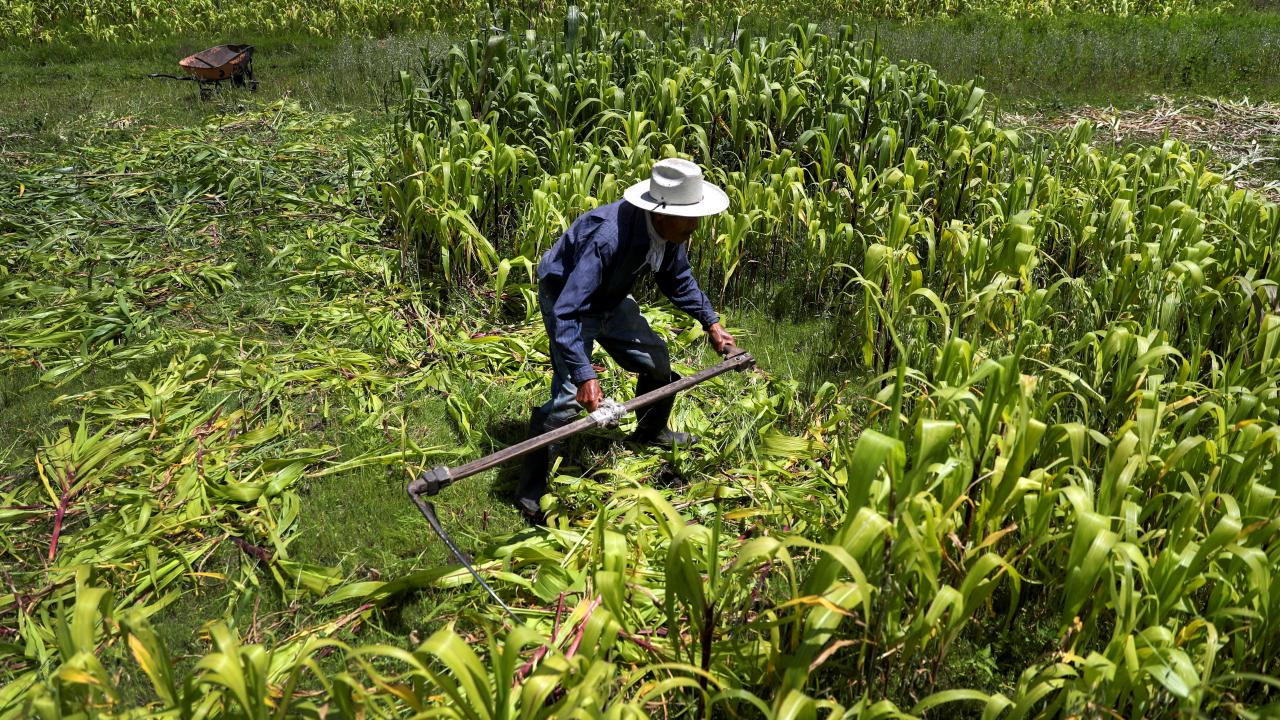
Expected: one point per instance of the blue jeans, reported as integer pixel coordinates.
(625, 335)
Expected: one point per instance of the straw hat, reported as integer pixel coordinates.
(676, 188)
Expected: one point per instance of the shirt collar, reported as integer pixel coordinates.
(657, 244)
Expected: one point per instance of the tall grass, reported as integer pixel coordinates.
(1058, 423)
(1094, 58)
(134, 20)
(1055, 342)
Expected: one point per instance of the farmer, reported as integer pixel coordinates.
(584, 286)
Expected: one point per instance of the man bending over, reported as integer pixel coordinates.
(584, 291)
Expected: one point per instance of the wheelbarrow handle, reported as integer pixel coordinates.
(171, 77)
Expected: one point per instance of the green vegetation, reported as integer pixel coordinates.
(1095, 59)
(1010, 452)
(133, 20)
(1039, 334)
(210, 359)
(63, 94)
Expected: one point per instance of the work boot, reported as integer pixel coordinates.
(531, 509)
(533, 474)
(651, 425)
(665, 437)
(533, 483)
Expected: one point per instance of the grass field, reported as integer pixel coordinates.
(261, 237)
(215, 380)
(58, 91)
(132, 21)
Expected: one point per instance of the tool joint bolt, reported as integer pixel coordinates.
(431, 482)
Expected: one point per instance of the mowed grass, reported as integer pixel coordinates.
(359, 522)
(54, 96)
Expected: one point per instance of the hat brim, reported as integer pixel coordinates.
(714, 201)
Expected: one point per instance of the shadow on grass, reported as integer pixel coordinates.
(504, 433)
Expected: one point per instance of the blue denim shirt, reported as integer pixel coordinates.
(596, 263)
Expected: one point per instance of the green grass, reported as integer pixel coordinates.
(53, 98)
(1096, 59)
(25, 405)
(133, 20)
(57, 94)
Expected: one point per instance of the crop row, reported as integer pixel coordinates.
(1061, 348)
(1054, 433)
(138, 20)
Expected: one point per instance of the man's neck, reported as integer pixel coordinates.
(653, 228)
(657, 243)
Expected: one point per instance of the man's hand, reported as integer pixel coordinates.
(589, 395)
(720, 339)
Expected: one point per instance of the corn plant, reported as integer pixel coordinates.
(1049, 428)
(118, 20)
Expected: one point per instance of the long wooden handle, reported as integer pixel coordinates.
(435, 479)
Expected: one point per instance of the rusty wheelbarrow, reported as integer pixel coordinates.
(209, 68)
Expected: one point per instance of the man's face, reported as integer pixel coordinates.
(674, 229)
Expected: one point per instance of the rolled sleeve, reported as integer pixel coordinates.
(675, 279)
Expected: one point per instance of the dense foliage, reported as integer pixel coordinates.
(133, 20)
(1067, 357)
(1048, 439)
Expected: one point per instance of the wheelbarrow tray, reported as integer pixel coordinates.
(218, 63)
